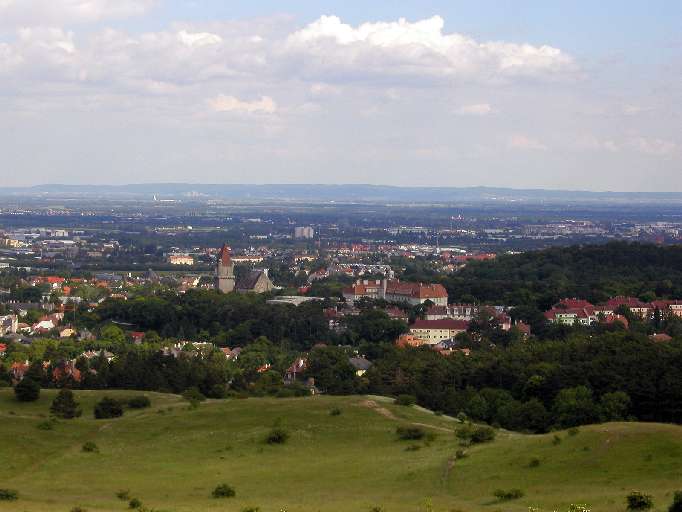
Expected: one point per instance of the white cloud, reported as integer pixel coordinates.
(198, 39)
(223, 103)
(329, 46)
(475, 109)
(57, 12)
(654, 146)
(524, 142)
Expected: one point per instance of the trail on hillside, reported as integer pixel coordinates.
(371, 404)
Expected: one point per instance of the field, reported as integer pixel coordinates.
(172, 456)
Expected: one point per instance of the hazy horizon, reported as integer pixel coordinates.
(572, 96)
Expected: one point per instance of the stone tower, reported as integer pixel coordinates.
(224, 275)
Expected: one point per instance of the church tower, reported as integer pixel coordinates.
(224, 276)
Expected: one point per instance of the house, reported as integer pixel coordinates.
(633, 304)
(8, 324)
(434, 331)
(437, 313)
(18, 370)
(66, 370)
(137, 337)
(295, 371)
(3, 349)
(360, 364)
(394, 290)
(67, 332)
(660, 337)
(409, 340)
(254, 281)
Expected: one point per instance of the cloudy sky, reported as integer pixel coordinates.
(566, 94)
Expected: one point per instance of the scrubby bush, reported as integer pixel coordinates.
(508, 495)
(8, 495)
(90, 447)
(139, 402)
(78, 509)
(461, 454)
(134, 503)
(108, 408)
(413, 448)
(676, 505)
(277, 436)
(251, 509)
(47, 424)
(65, 406)
(27, 390)
(573, 431)
(405, 400)
(224, 491)
(123, 495)
(335, 411)
(410, 433)
(193, 395)
(534, 463)
(475, 434)
(639, 501)
(556, 440)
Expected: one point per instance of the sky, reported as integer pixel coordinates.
(508, 93)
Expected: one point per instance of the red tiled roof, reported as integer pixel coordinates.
(225, 255)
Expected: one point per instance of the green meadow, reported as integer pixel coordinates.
(171, 456)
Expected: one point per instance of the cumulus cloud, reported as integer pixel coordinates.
(329, 46)
(475, 109)
(654, 146)
(57, 12)
(224, 103)
(524, 142)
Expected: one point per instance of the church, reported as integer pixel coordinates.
(255, 281)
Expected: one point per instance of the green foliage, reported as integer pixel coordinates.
(8, 495)
(139, 402)
(614, 406)
(251, 509)
(556, 440)
(575, 406)
(410, 433)
(475, 434)
(90, 447)
(534, 462)
(65, 406)
(108, 408)
(406, 400)
(135, 503)
(508, 494)
(224, 491)
(194, 395)
(123, 495)
(27, 390)
(639, 501)
(277, 435)
(676, 505)
(47, 424)
(334, 411)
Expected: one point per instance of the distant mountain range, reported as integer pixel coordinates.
(340, 193)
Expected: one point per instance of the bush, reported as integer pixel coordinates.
(90, 447)
(639, 501)
(534, 463)
(277, 436)
(573, 431)
(123, 495)
(47, 424)
(405, 400)
(476, 434)
(508, 495)
(413, 448)
(134, 503)
(27, 390)
(108, 408)
(556, 440)
(193, 395)
(65, 406)
(251, 509)
(217, 391)
(78, 509)
(285, 393)
(139, 402)
(335, 412)
(676, 505)
(410, 433)
(8, 495)
(223, 491)
(461, 454)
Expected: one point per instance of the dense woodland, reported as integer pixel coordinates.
(559, 377)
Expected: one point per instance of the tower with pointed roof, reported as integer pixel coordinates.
(224, 276)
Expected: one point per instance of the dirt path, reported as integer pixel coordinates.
(371, 404)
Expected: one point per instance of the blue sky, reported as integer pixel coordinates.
(503, 93)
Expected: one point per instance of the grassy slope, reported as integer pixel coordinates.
(345, 463)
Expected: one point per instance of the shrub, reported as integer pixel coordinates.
(335, 412)
(461, 454)
(108, 408)
(90, 447)
(47, 424)
(413, 448)
(556, 440)
(8, 495)
(405, 400)
(410, 433)
(534, 463)
(78, 509)
(193, 395)
(277, 436)
(217, 391)
(65, 406)
(508, 495)
(223, 491)
(134, 503)
(476, 434)
(139, 402)
(639, 501)
(573, 431)
(27, 390)
(123, 495)
(676, 505)
(251, 509)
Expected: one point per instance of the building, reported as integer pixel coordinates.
(394, 290)
(435, 331)
(304, 232)
(8, 324)
(224, 277)
(254, 281)
(180, 259)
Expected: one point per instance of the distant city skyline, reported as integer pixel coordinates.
(567, 95)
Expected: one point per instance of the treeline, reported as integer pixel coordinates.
(593, 272)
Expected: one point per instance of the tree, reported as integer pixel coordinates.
(108, 408)
(65, 405)
(113, 333)
(614, 406)
(574, 406)
(27, 390)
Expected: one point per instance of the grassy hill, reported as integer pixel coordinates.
(171, 457)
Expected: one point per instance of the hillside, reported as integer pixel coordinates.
(171, 457)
